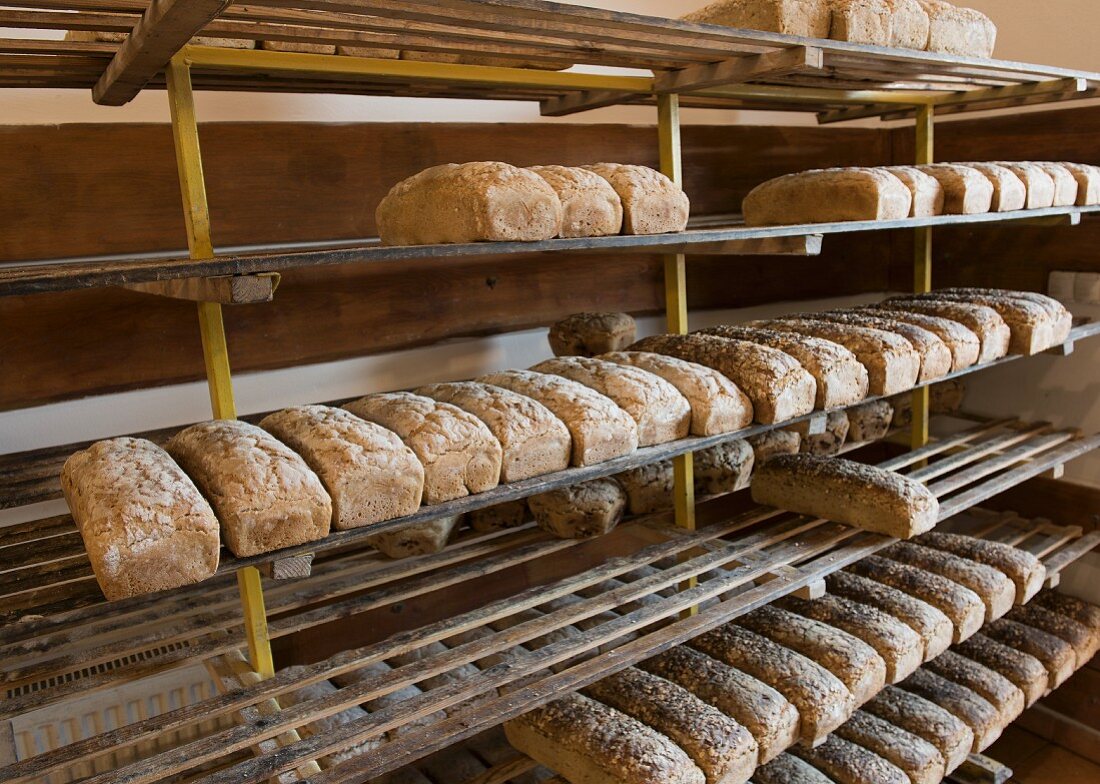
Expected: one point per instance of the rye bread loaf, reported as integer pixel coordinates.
(901, 648)
(264, 495)
(368, 472)
(773, 444)
(600, 430)
(763, 711)
(661, 413)
(1031, 327)
(964, 607)
(580, 511)
(1025, 570)
(1057, 312)
(806, 18)
(913, 713)
(921, 762)
(533, 441)
(966, 191)
(930, 623)
(997, 592)
(510, 514)
(847, 763)
(961, 31)
(1065, 184)
(1088, 182)
(459, 453)
(469, 202)
(962, 342)
(991, 329)
(928, 193)
(828, 196)
(777, 385)
(320, 727)
(724, 750)
(892, 364)
(827, 443)
(590, 206)
(822, 699)
(725, 468)
(1057, 655)
(847, 492)
(935, 356)
(869, 421)
(587, 741)
(652, 203)
(648, 487)
(145, 525)
(861, 22)
(1039, 184)
(717, 405)
(854, 662)
(1025, 671)
(591, 334)
(1001, 693)
(789, 769)
(841, 379)
(419, 539)
(1009, 191)
(1071, 607)
(1084, 640)
(976, 711)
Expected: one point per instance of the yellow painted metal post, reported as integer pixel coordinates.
(196, 210)
(922, 263)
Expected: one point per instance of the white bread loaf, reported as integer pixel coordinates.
(913, 713)
(1088, 182)
(419, 539)
(1025, 671)
(652, 203)
(862, 22)
(847, 763)
(469, 202)
(591, 334)
(1001, 693)
(459, 453)
(966, 191)
(869, 422)
(935, 356)
(145, 525)
(580, 511)
(1039, 184)
(1065, 184)
(368, 472)
(997, 592)
(590, 206)
(962, 342)
(1025, 570)
(265, 495)
(961, 31)
(976, 711)
(909, 25)
(991, 329)
(928, 192)
(828, 196)
(1009, 191)
(1056, 654)
(725, 468)
(806, 18)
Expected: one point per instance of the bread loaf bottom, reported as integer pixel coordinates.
(921, 762)
(913, 713)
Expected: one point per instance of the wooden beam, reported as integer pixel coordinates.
(979, 769)
(292, 568)
(223, 289)
(740, 69)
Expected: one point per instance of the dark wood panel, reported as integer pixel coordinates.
(1066, 503)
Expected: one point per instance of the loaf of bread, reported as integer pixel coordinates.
(778, 386)
(931, 624)
(1084, 640)
(1056, 654)
(921, 762)
(1025, 570)
(869, 421)
(828, 196)
(793, 17)
(928, 193)
(465, 672)
(459, 453)
(1065, 184)
(510, 514)
(763, 711)
(591, 334)
(846, 763)
(725, 468)
(991, 329)
(1058, 313)
(773, 444)
(1088, 182)
(849, 658)
(264, 495)
(966, 191)
(419, 539)
(963, 343)
(580, 511)
(533, 441)
(652, 203)
(899, 646)
(298, 47)
(600, 430)
(469, 202)
(1025, 671)
(841, 379)
(1009, 191)
(1071, 607)
(935, 356)
(827, 443)
(368, 472)
(964, 607)
(997, 592)
(717, 405)
(861, 22)
(587, 741)
(912, 713)
(661, 413)
(847, 492)
(329, 724)
(961, 31)
(1001, 693)
(789, 769)
(822, 699)
(590, 206)
(892, 364)
(381, 669)
(1031, 326)
(722, 748)
(648, 487)
(1038, 184)
(976, 711)
(145, 525)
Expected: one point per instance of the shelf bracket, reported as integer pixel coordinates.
(922, 264)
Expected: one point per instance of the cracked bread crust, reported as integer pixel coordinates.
(935, 356)
(145, 525)
(590, 206)
(459, 453)
(921, 762)
(975, 710)
(264, 494)
(861, 22)
(997, 592)
(828, 196)
(533, 441)
(913, 713)
(368, 472)
(580, 511)
(848, 763)
(652, 203)
(991, 329)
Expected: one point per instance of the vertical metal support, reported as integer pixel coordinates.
(196, 212)
(922, 264)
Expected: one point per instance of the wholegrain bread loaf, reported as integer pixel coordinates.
(264, 495)
(991, 329)
(925, 719)
(957, 30)
(661, 413)
(794, 17)
(321, 727)
(459, 453)
(847, 763)
(854, 662)
(964, 607)
(510, 514)
(947, 397)
(590, 742)
(869, 421)
(921, 762)
(1059, 314)
(963, 343)
(1088, 182)
(419, 539)
(841, 379)
(717, 405)
(469, 202)
(724, 750)
(822, 699)
(827, 443)
(847, 492)
(1039, 184)
(828, 196)
(590, 206)
(966, 191)
(648, 487)
(298, 47)
(778, 386)
(600, 430)
(368, 472)
(1084, 640)
(928, 193)
(773, 444)
(1031, 327)
(1009, 191)
(1057, 655)
(1025, 671)
(1001, 693)
(997, 592)
(789, 769)
(763, 711)
(862, 22)
(145, 525)
(725, 468)
(1065, 184)
(935, 356)
(974, 710)
(533, 441)
(591, 334)
(652, 203)
(580, 511)
(1025, 570)
(1071, 607)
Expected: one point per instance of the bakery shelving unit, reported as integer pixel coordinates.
(669, 64)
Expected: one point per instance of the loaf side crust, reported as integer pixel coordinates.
(921, 762)
(1025, 671)
(590, 206)
(1025, 570)
(652, 203)
(997, 592)
(925, 719)
(976, 712)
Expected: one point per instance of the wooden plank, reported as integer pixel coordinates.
(225, 289)
(293, 568)
(980, 769)
(741, 69)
